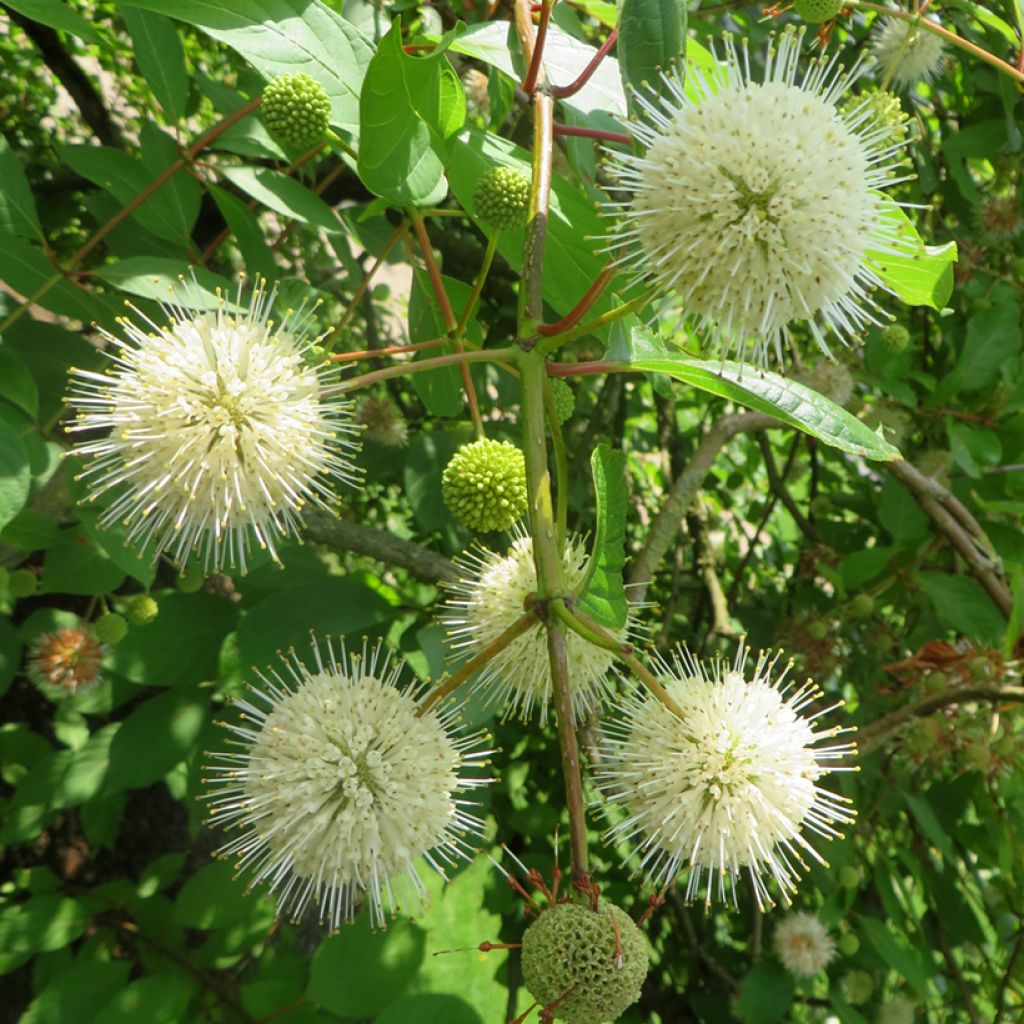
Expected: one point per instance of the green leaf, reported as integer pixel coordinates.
(284, 37)
(785, 399)
(900, 513)
(41, 925)
(56, 14)
(408, 107)
(429, 1009)
(181, 192)
(993, 344)
(161, 58)
(214, 898)
(17, 207)
(962, 605)
(923, 274)
(283, 195)
(17, 384)
(974, 448)
(15, 476)
(86, 986)
(113, 541)
(246, 232)
(356, 974)
(155, 737)
(157, 999)
(603, 596)
(652, 37)
(340, 606)
(10, 653)
(158, 656)
(766, 994)
(79, 566)
(165, 280)
(898, 954)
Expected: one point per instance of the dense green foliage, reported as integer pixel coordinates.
(735, 503)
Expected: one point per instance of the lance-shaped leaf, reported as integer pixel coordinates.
(652, 37)
(603, 597)
(799, 406)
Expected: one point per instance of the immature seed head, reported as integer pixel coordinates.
(564, 399)
(484, 485)
(814, 12)
(502, 197)
(590, 963)
(296, 110)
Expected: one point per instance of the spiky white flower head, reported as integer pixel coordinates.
(730, 786)
(896, 1010)
(906, 53)
(757, 205)
(804, 945)
(339, 784)
(490, 598)
(216, 430)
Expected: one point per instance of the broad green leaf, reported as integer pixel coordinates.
(17, 384)
(429, 1008)
(41, 925)
(922, 275)
(155, 737)
(785, 399)
(156, 999)
(161, 58)
(284, 37)
(652, 37)
(79, 566)
(113, 540)
(356, 974)
(214, 898)
(87, 985)
(17, 207)
(283, 195)
(962, 605)
(765, 996)
(408, 108)
(900, 513)
(339, 606)
(603, 596)
(15, 477)
(175, 281)
(10, 654)
(428, 453)
(992, 345)
(246, 233)
(156, 654)
(56, 14)
(909, 961)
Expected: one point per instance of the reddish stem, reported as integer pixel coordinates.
(530, 82)
(390, 350)
(572, 318)
(560, 92)
(593, 133)
(581, 369)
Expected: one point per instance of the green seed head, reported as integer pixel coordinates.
(502, 198)
(877, 110)
(296, 110)
(861, 606)
(858, 987)
(818, 629)
(484, 485)
(895, 337)
(22, 583)
(110, 628)
(141, 609)
(571, 948)
(565, 400)
(848, 944)
(814, 12)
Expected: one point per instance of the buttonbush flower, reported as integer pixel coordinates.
(215, 431)
(756, 204)
(804, 945)
(490, 598)
(337, 787)
(730, 787)
(906, 53)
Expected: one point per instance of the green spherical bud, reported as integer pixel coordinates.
(814, 12)
(848, 944)
(895, 337)
(484, 485)
(850, 877)
(935, 683)
(565, 400)
(980, 668)
(141, 609)
(861, 606)
(858, 987)
(881, 111)
(818, 629)
(600, 964)
(502, 198)
(296, 110)
(110, 628)
(22, 583)
(191, 580)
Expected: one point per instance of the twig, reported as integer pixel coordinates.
(780, 490)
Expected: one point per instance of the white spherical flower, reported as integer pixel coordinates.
(897, 1010)
(490, 598)
(730, 786)
(216, 431)
(338, 786)
(804, 945)
(757, 205)
(906, 53)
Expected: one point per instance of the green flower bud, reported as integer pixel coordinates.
(565, 400)
(296, 110)
(591, 962)
(502, 198)
(22, 583)
(814, 12)
(858, 987)
(848, 944)
(895, 337)
(141, 609)
(818, 629)
(110, 628)
(484, 485)
(861, 606)
(883, 111)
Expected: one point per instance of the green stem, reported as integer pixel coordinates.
(561, 467)
(490, 355)
(478, 285)
(549, 345)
